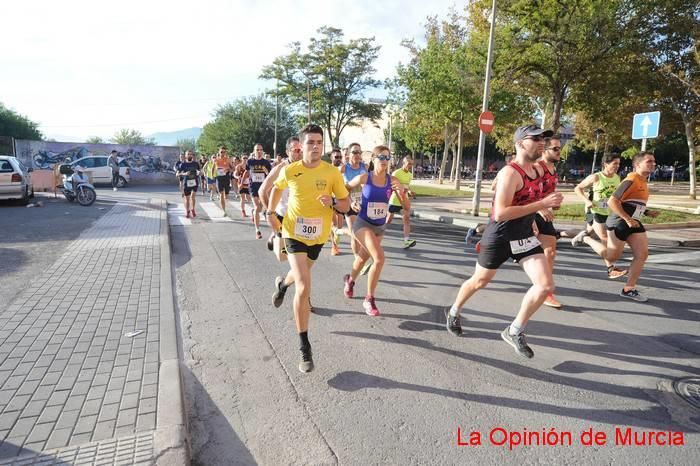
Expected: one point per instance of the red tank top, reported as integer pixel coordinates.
(531, 190)
(549, 180)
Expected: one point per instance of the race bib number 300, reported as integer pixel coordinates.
(376, 210)
(520, 246)
(308, 228)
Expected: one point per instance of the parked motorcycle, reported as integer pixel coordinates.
(76, 186)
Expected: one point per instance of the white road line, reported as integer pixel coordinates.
(674, 258)
(214, 212)
(176, 215)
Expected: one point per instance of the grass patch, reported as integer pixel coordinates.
(575, 211)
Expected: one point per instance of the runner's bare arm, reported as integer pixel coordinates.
(589, 181)
(272, 220)
(266, 186)
(357, 181)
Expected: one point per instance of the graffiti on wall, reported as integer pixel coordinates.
(151, 162)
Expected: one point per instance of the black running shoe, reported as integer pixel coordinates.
(307, 362)
(454, 324)
(518, 343)
(270, 245)
(278, 295)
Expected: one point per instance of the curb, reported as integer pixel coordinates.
(170, 443)
(473, 222)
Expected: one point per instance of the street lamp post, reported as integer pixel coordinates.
(277, 104)
(484, 107)
(597, 133)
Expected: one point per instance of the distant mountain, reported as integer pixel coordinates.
(170, 138)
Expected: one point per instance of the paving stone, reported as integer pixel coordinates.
(85, 424)
(40, 433)
(50, 414)
(33, 408)
(7, 420)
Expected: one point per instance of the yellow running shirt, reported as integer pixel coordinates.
(405, 179)
(307, 220)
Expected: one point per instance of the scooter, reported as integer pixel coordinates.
(76, 186)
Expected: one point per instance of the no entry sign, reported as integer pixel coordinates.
(486, 122)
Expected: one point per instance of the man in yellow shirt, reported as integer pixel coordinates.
(315, 189)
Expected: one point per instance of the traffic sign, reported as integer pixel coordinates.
(646, 125)
(486, 121)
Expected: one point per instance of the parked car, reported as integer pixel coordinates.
(98, 169)
(15, 179)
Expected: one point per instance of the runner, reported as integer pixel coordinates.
(202, 176)
(350, 171)
(257, 169)
(405, 176)
(189, 172)
(604, 183)
(509, 234)
(235, 162)
(627, 206)
(243, 179)
(377, 186)
(223, 177)
(210, 172)
(312, 184)
(180, 180)
(337, 161)
(546, 233)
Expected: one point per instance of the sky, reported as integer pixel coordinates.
(89, 68)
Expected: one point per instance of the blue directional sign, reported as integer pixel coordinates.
(646, 125)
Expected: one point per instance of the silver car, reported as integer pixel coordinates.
(15, 179)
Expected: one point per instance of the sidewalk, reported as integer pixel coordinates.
(454, 211)
(89, 370)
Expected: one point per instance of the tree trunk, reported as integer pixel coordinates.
(453, 171)
(444, 158)
(556, 112)
(689, 124)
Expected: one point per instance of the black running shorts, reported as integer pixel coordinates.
(623, 231)
(545, 227)
(254, 188)
(494, 252)
(297, 247)
(223, 183)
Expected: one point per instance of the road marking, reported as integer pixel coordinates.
(176, 215)
(694, 270)
(674, 258)
(214, 212)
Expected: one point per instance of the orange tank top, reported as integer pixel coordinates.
(638, 191)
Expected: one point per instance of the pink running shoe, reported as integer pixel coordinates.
(349, 286)
(370, 307)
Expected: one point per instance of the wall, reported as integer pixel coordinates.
(149, 164)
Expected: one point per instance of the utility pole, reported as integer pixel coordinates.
(458, 156)
(277, 104)
(597, 133)
(484, 107)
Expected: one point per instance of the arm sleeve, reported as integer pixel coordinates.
(624, 186)
(281, 182)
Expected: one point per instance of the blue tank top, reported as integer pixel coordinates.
(375, 201)
(351, 173)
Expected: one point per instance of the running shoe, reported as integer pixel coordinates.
(477, 247)
(270, 245)
(454, 324)
(278, 295)
(409, 243)
(258, 234)
(307, 362)
(335, 251)
(194, 214)
(311, 307)
(336, 235)
(470, 234)
(518, 343)
(366, 267)
(349, 286)
(370, 306)
(225, 214)
(187, 215)
(244, 214)
(551, 301)
(634, 294)
(614, 272)
(578, 239)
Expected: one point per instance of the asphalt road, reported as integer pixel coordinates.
(396, 389)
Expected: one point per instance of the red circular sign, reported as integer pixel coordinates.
(486, 121)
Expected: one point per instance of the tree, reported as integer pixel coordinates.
(244, 122)
(186, 144)
(132, 137)
(12, 124)
(94, 140)
(335, 73)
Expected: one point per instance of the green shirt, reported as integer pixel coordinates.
(602, 190)
(405, 179)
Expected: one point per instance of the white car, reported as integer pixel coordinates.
(15, 179)
(99, 171)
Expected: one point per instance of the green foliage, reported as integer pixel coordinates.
(131, 137)
(241, 124)
(186, 144)
(94, 140)
(18, 126)
(337, 73)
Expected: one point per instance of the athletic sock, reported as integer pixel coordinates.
(304, 339)
(454, 311)
(515, 329)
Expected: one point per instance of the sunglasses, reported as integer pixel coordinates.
(384, 158)
(338, 157)
(356, 152)
(535, 138)
(554, 149)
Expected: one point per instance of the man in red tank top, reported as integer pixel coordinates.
(509, 234)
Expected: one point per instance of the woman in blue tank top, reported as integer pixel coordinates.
(368, 228)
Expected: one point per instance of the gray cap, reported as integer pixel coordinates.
(531, 130)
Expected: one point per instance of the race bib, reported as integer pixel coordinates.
(376, 210)
(191, 183)
(603, 204)
(308, 228)
(356, 197)
(639, 212)
(221, 172)
(257, 177)
(520, 246)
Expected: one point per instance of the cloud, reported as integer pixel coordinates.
(89, 68)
